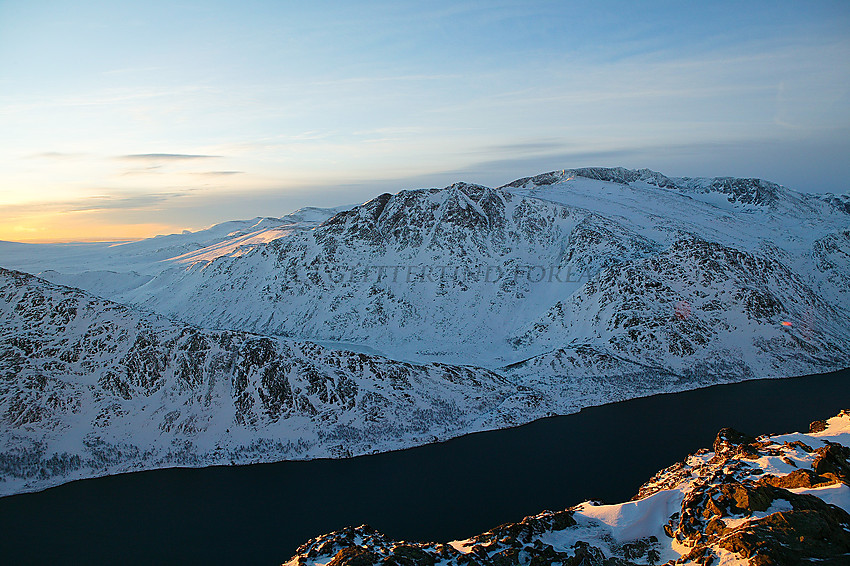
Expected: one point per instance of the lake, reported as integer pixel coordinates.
(259, 514)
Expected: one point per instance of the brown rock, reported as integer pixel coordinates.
(407, 555)
(802, 445)
(729, 439)
(797, 478)
(833, 458)
(354, 556)
(715, 526)
(812, 531)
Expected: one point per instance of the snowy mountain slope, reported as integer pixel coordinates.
(680, 275)
(431, 255)
(749, 502)
(89, 387)
(110, 269)
(730, 211)
(841, 202)
(730, 304)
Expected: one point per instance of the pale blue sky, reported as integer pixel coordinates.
(127, 119)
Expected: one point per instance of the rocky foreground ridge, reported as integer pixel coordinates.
(781, 499)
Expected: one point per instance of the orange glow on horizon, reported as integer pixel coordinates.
(59, 228)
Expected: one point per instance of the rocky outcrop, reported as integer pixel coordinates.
(752, 501)
(840, 202)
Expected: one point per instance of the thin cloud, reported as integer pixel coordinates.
(130, 202)
(54, 155)
(149, 170)
(524, 147)
(166, 157)
(127, 202)
(218, 173)
(385, 79)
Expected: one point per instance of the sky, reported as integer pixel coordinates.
(122, 120)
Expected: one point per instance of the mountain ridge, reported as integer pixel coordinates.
(560, 291)
(462, 225)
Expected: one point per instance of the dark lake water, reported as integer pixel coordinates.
(259, 514)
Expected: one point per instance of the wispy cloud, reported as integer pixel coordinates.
(128, 202)
(527, 147)
(132, 70)
(119, 201)
(54, 155)
(117, 97)
(218, 173)
(166, 157)
(148, 170)
(384, 79)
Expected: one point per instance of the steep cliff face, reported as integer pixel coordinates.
(781, 499)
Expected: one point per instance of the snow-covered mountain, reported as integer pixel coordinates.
(90, 387)
(673, 274)
(782, 499)
(498, 306)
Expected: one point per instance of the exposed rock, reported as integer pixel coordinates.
(729, 438)
(354, 556)
(831, 460)
(797, 478)
(721, 511)
(812, 532)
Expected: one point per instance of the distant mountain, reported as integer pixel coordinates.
(782, 499)
(552, 293)
(151, 256)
